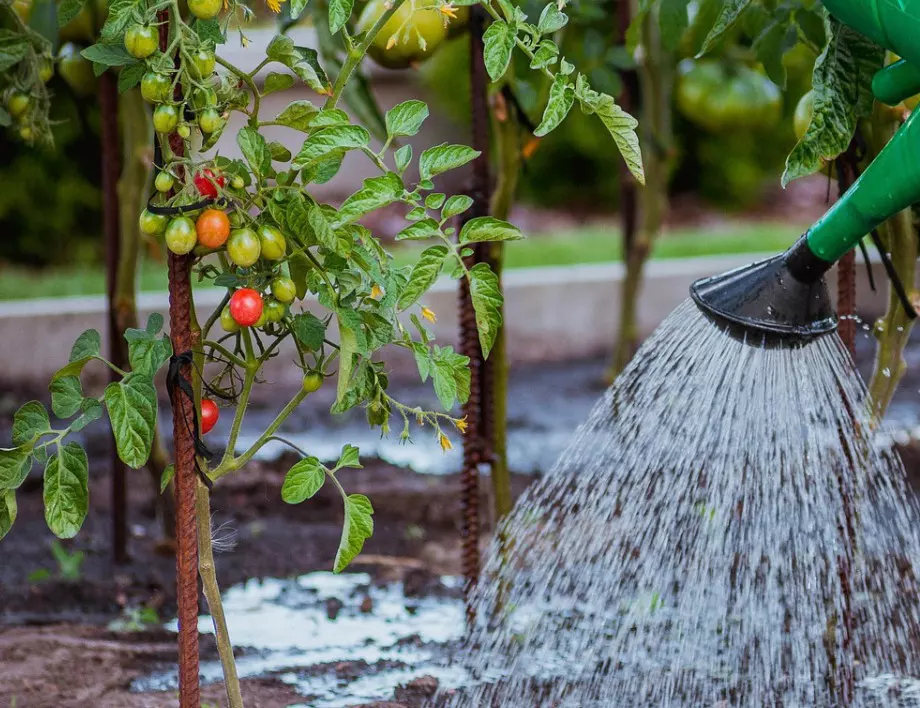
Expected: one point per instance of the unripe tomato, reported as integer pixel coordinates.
(204, 182)
(203, 63)
(237, 182)
(274, 245)
(184, 131)
(164, 181)
(17, 103)
(410, 25)
(227, 323)
(209, 120)
(46, 70)
(155, 87)
(803, 113)
(236, 220)
(180, 235)
(165, 118)
(85, 26)
(312, 381)
(152, 224)
(243, 247)
(284, 289)
(275, 311)
(141, 41)
(719, 96)
(246, 307)
(209, 415)
(213, 228)
(25, 132)
(204, 9)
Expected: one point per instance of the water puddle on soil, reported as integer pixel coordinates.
(302, 630)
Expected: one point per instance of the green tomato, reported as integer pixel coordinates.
(165, 118)
(312, 381)
(205, 9)
(184, 131)
(164, 181)
(236, 220)
(155, 87)
(418, 33)
(203, 63)
(274, 245)
(181, 236)
(141, 41)
(227, 322)
(243, 247)
(46, 70)
(18, 103)
(25, 132)
(152, 224)
(237, 182)
(263, 319)
(77, 72)
(284, 289)
(275, 311)
(803, 113)
(209, 120)
(720, 96)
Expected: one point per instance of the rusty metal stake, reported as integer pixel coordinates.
(184, 415)
(108, 104)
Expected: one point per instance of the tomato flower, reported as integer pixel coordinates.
(429, 315)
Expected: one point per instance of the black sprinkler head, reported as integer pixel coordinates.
(783, 296)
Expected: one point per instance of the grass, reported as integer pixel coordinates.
(587, 245)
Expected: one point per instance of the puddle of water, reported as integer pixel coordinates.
(286, 628)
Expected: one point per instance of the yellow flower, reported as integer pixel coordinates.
(445, 442)
(274, 5)
(244, 40)
(391, 42)
(376, 292)
(449, 11)
(429, 315)
(461, 425)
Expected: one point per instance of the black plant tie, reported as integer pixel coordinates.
(868, 262)
(896, 283)
(175, 380)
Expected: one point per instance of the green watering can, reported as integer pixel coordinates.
(786, 295)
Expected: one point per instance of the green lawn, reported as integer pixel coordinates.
(588, 245)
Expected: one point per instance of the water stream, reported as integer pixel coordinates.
(724, 530)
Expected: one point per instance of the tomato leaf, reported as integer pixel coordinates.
(255, 150)
(731, 11)
(297, 7)
(30, 421)
(322, 229)
(107, 55)
(424, 273)
(91, 410)
(450, 373)
(772, 43)
(303, 481)
(552, 19)
(298, 115)
(621, 125)
(455, 205)
(167, 477)
(358, 527)
(498, 44)
(66, 396)
(67, 10)
(66, 490)
(8, 511)
(132, 406)
(339, 12)
(147, 352)
(444, 157)
(487, 302)
(487, 228)
(419, 231)
(546, 55)
(13, 48)
(561, 100)
(402, 158)
(277, 82)
(673, 18)
(376, 193)
(310, 331)
(15, 464)
(209, 31)
(327, 140)
(88, 344)
(405, 119)
(130, 76)
(634, 31)
(350, 457)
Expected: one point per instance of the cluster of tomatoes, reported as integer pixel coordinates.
(19, 103)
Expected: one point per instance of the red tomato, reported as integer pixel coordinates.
(209, 415)
(205, 180)
(246, 307)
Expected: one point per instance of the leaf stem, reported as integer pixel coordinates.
(248, 80)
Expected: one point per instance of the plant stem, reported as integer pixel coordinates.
(208, 572)
(356, 54)
(250, 82)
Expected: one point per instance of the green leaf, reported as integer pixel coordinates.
(300, 267)
(435, 200)
(634, 31)
(130, 76)
(358, 527)
(561, 100)
(403, 157)
(329, 117)
(278, 152)
(67, 10)
(487, 228)
(731, 11)
(621, 125)
(132, 406)
(66, 396)
(30, 421)
(321, 228)
(350, 457)
(255, 150)
(88, 344)
(7, 511)
(209, 31)
(498, 42)
(444, 157)
(376, 193)
(770, 46)
(552, 19)
(450, 373)
(303, 480)
(277, 82)
(310, 331)
(455, 205)
(297, 7)
(91, 410)
(546, 55)
(424, 273)
(147, 352)
(673, 19)
(301, 60)
(420, 231)
(842, 84)
(66, 491)
(405, 119)
(486, 295)
(13, 48)
(327, 140)
(15, 464)
(106, 55)
(167, 477)
(339, 12)
(298, 115)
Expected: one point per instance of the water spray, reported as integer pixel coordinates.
(786, 295)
